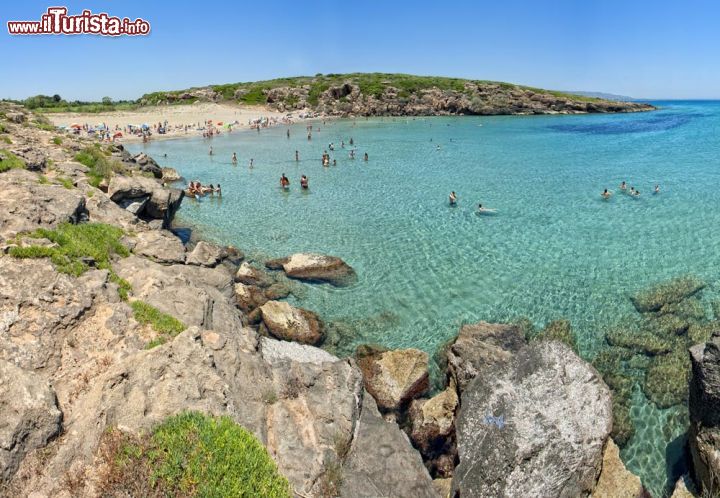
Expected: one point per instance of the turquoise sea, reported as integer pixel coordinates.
(554, 249)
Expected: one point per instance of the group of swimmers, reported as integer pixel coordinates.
(196, 188)
(285, 182)
(632, 192)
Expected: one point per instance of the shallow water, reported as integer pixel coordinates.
(554, 249)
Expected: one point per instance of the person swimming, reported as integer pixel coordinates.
(623, 186)
(251, 163)
(304, 182)
(453, 198)
(352, 154)
(657, 189)
(234, 158)
(284, 182)
(218, 190)
(606, 194)
(210, 152)
(297, 156)
(635, 193)
(365, 157)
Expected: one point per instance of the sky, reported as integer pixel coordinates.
(646, 49)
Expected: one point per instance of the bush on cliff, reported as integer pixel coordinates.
(192, 455)
(77, 247)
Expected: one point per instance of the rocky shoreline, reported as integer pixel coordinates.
(109, 322)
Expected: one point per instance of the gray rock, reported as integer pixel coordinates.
(432, 421)
(160, 245)
(381, 461)
(27, 205)
(274, 351)
(162, 202)
(135, 206)
(148, 165)
(170, 175)
(482, 346)
(536, 427)
(704, 405)
(249, 275)
(29, 415)
(206, 254)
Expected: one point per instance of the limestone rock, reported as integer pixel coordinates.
(704, 405)
(29, 416)
(161, 246)
(482, 347)
(395, 377)
(292, 324)
(206, 254)
(615, 480)
(433, 421)
(249, 297)
(274, 351)
(162, 203)
(148, 165)
(536, 427)
(249, 275)
(170, 175)
(316, 268)
(381, 461)
(26, 205)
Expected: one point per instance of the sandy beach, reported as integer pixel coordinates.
(177, 115)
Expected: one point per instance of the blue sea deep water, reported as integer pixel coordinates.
(554, 249)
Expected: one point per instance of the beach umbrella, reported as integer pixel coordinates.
(75, 125)
(219, 123)
(117, 135)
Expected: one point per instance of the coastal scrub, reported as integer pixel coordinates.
(76, 247)
(9, 161)
(101, 166)
(191, 455)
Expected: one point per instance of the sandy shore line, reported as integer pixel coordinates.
(178, 115)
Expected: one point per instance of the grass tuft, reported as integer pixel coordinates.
(190, 455)
(165, 325)
(76, 245)
(9, 161)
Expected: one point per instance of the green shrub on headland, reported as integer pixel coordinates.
(78, 247)
(9, 161)
(165, 325)
(190, 455)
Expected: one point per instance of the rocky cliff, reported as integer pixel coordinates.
(374, 94)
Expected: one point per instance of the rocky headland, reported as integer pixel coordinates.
(110, 326)
(380, 94)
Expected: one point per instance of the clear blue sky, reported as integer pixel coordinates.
(641, 48)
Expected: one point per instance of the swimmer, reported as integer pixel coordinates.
(623, 186)
(284, 182)
(251, 163)
(304, 182)
(297, 156)
(334, 162)
(657, 189)
(606, 194)
(218, 190)
(351, 141)
(453, 198)
(635, 193)
(234, 158)
(365, 157)
(352, 154)
(632, 190)
(210, 153)
(288, 133)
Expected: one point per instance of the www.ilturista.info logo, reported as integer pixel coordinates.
(56, 22)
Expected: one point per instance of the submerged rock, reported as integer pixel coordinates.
(667, 293)
(557, 330)
(394, 377)
(666, 379)
(482, 347)
(292, 324)
(315, 268)
(525, 429)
